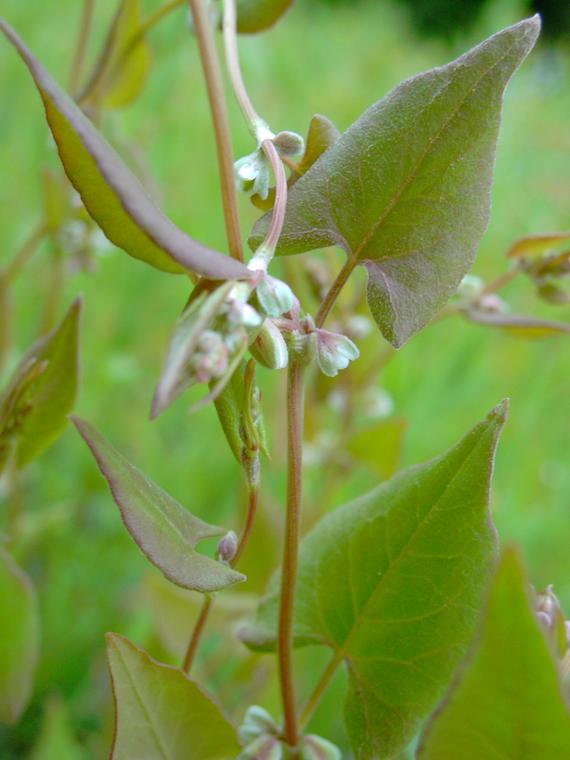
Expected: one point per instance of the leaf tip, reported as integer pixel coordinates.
(500, 413)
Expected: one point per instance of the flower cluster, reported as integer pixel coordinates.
(253, 173)
(260, 737)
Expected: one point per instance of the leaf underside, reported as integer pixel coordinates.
(164, 531)
(111, 193)
(508, 702)
(392, 583)
(406, 190)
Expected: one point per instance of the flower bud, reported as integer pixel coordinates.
(227, 548)
(275, 296)
(289, 144)
(550, 616)
(469, 290)
(316, 748)
(334, 352)
(257, 721)
(269, 347)
(252, 174)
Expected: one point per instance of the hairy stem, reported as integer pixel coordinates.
(199, 626)
(334, 292)
(214, 85)
(291, 548)
(24, 254)
(81, 47)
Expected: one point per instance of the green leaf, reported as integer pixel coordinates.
(258, 15)
(508, 702)
(321, 136)
(162, 714)
(34, 407)
(518, 325)
(20, 639)
(165, 532)
(130, 60)
(56, 740)
(111, 194)
(392, 583)
(379, 445)
(405, 191)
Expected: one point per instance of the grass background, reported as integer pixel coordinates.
(332, 61)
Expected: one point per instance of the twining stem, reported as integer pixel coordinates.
(24, 254)
(197, 633)
(214, 85)
(291, 548)
(256, 126)
(81, 46)
(198, 630)
(334, 292)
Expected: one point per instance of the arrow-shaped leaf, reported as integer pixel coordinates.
(392, 583)
(160, 714)
(111, 193)
(508, 703)
(405, 191)
(165, 532)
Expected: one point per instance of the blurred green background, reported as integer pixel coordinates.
(333, 58)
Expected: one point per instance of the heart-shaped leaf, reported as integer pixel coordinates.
(111, 193)
(508, 702)
(392, 583)
(165, 532)
(20, 639)
(160, 713)
(405, 191)
(257, 15)
(34, 407)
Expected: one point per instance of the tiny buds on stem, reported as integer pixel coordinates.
(316, 748)
(289, 145)
(333, 352)
(257, 721)
(550, 615)
(253, 172)
(227, 548)
(274, 296)
(269, 347)
(469, 290)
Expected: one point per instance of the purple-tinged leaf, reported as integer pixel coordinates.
(406, 190)
(111, 193)
(165, 532)
(19, 637)
(160, 714)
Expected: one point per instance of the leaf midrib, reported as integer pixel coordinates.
(355, 255)
(342, 650)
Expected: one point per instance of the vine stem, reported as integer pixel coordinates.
(215, 89)
(207, 604)
(81, 47)
(291, 548)
(25, 252)
(500, 282)
(334, 292)
(257, 127)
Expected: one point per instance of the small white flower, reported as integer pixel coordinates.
(275, 296)
(334, 352)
